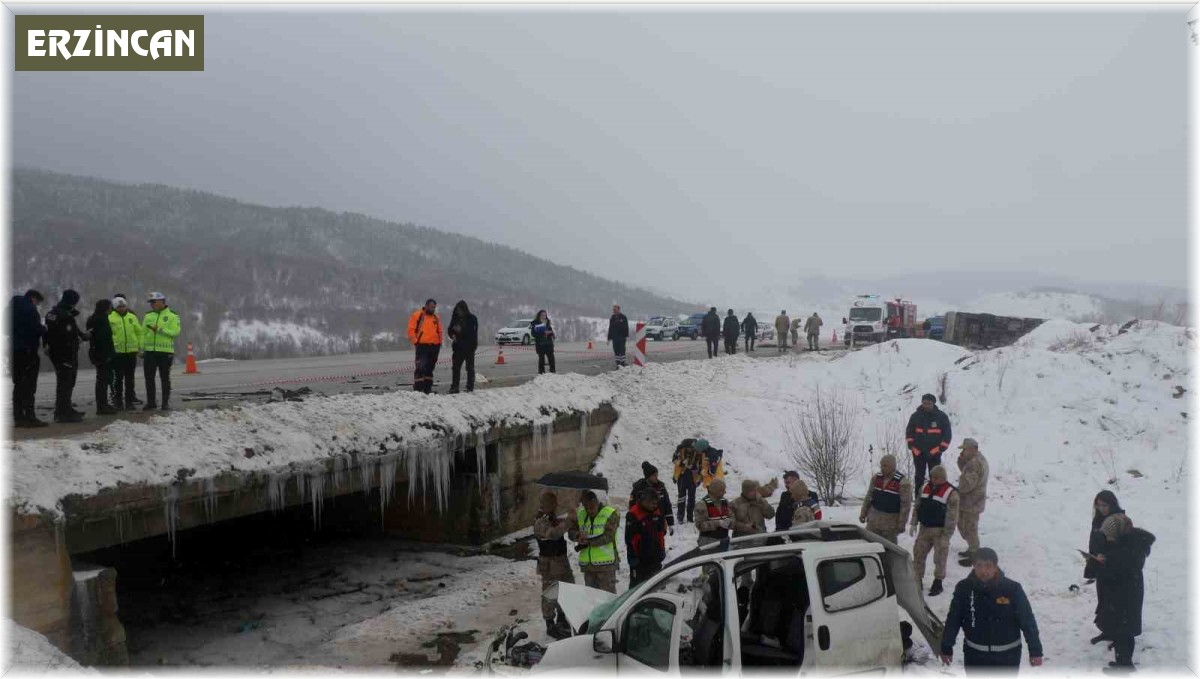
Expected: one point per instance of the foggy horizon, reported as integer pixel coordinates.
(712, 152)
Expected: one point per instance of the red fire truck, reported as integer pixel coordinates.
(902, 319)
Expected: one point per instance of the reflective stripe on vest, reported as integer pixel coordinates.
(992, 649)
(716, 510)
(932, 510)
(596, 555)
(886, 495)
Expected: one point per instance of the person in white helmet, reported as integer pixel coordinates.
(160, 327)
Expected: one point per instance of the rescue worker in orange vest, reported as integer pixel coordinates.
(928, 436)
(714, 518)
(888, 501)
(425, 333)
(937, 514)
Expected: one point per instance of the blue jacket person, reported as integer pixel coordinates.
(993, 612)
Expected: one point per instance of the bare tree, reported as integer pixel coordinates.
(890, 440)
(822, 441)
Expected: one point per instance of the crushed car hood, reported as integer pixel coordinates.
(577, 601)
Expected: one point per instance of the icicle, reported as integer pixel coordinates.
(170, 506)
(480, 460)
(210, 498)
(339, 468)
(387, 479)
(537, 440)
(316, 493)
(494, 482)
(277, 491)
(366, 472)
(583, 427)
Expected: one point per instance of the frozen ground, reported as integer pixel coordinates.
(31, 654)
(1064, 305)
(1061, 415)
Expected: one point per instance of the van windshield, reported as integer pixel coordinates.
(860, 314)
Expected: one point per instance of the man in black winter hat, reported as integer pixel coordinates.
(928, 436)
(993, 613)
(63, 337)
(649, 481)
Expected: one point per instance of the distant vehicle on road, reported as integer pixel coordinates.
(935, 327)
(662, 327)
(515, 333)
(690, 327)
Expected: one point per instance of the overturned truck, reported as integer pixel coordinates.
(986, 331)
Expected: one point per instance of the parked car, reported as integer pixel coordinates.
(662, 327)
(827, 600)
(516, 332)
(690, 327)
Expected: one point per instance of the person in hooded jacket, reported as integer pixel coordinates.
(993, 614)
(425, 333)
(749, 328)
(645, 537)
(26, 332)
(101, 352)
(464, 340)
(710, 327)
(1119, 574)
(650, 481)
(730, 331)
(63, 338)
(543, 340)
(127, 344)
(1104, 505)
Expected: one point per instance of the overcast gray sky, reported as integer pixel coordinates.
(693, 150)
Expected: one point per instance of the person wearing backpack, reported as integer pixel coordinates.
(1119, 575)
(543, 340)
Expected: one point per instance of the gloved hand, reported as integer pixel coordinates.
(862, 518)
(916, 453)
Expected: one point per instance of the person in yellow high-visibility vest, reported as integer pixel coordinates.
(594, 530)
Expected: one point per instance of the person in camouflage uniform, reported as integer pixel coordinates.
(888, 501)
(552, 563)
(937, 515)
(972, 492)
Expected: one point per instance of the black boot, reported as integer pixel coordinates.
(936, 589)
(69, 418)
(1098, 638)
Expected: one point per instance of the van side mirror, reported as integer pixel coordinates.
(604, 641)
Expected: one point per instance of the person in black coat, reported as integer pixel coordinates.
(618, 332)
(464, 340)
(645, 537)
(63, 338)
(649, 481)
(27, 331)
(787, 503)
(749, 328)
(1104, 506)
(928, 436)
(543, 340)
(993, 613)
(710, 327)
(731, 333)
(101, 352)
(1119, 574)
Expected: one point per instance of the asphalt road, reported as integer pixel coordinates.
(227, 382)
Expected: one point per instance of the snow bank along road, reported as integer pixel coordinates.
(230, 381)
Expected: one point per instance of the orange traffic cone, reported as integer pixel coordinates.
(590, 347)
(191, 362)
(500, 358)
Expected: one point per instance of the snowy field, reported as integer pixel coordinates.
(1060, 415)
(1073, 306)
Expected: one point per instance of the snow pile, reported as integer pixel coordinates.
(405, 428)
(31, 653)
(257, 332)
(1068, 305)
(1061, 415)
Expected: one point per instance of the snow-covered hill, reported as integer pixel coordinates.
(1066, 305)
(1061, 415)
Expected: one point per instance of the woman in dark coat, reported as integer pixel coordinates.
(1104, 506)
(543, 339)
(101, 352)
(1119, 572)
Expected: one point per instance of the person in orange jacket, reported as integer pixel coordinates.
(425, 333)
